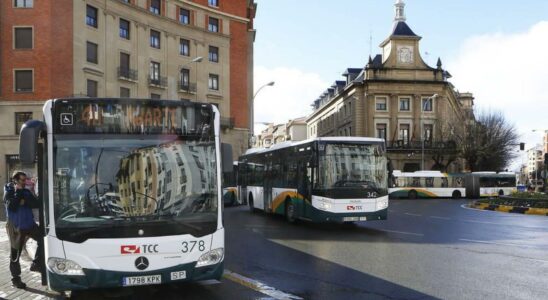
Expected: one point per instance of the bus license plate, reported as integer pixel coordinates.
(142, 280)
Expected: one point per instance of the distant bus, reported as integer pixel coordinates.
(491, 184)
(230, 187)
(341, 179)
(427, 184)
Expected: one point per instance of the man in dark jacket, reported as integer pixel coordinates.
(19, 203)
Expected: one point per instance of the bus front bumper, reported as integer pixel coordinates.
(95, 279)
(325, 216)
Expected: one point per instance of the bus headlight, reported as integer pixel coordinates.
(64, 267)
(382, 203)
(210, 258)
(324, 206)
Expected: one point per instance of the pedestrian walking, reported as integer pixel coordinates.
(20, 225)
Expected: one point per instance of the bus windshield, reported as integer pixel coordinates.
(162, 182)
(352, 165)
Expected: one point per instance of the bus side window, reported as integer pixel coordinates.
(416, 182)
(429, 181)
(444, 182)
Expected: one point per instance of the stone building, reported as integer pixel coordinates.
(400, 98)
(125, 48)
(293, 130)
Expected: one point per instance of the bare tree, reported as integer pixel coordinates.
(488, 144)
(444, 150)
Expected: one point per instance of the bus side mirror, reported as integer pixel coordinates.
(28, 140)
(226, 158)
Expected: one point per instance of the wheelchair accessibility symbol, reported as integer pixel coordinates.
(66, 119)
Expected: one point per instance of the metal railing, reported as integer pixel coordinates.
(160, 81)
(127, 73)
(417, 144)
(188, 87)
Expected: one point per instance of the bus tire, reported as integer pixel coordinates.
(250, 202)
(501, 193)
(456, 195)
(232, 199)
(412, 195)
(290, 211)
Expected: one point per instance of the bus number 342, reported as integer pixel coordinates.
(189, 246)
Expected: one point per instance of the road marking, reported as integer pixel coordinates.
(497, 243)
(481, 222)
(414, 215)
(402, 232)
(258, 286)
(441, 218)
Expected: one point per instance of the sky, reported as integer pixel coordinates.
(498, 50)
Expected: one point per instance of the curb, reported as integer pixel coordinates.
(510, 209)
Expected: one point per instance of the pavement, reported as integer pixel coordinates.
(427, 249)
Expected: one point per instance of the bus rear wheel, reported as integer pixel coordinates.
(501, 193)
(412, 195)
(456, 195)
(290, 211)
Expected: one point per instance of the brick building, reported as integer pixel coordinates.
(399, 98)
(125, 48)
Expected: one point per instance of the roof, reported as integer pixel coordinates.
(352, 71)
(402, 29)
(288, 144)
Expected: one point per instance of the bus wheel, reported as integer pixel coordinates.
(412, 194)
(501, 193)
(232, 199)
(290, 211)
(250, 202)
(456, 195)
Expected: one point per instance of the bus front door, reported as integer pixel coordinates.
(267, 192)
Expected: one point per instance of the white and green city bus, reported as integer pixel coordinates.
(340, 179)
(130, 191)
(230, 188)
(491, 184)
(427, 184)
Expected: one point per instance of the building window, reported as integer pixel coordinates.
(213, 54)
(91, 16)
(213, 24)
(154, 71)
(213, 3)
(405, 104)
(91, 55)
(155, 6)
(404, 133)
(23, 81)
(23, 37)
(381, 131)
(428, 132)
(92, 88)
(124, 29)
(125, 66)
(23, 3)
(214, 82)
(184, 16)
(185, 78)
(125, 92)
(427, 104)
(381, 104)
(20, 119)
(154, 39)
(184, 47)
(155, 96)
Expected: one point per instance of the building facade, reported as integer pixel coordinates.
(535, 163)
(401, 99)
(199, 50)
(294, 130)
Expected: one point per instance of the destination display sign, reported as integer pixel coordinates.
(132, 117)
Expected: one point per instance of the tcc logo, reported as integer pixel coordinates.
(130, 249)
(352, 207)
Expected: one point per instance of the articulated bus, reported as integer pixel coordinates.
(130, 191)
(339, 179)
(427, 184)
(491, 184)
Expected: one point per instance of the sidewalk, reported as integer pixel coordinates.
(34, 289)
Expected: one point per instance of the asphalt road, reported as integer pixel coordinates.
(426, 249)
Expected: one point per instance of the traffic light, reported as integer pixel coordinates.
(521, 146)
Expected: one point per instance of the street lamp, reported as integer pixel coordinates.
(195, 60)
(252, 123)
(422, 125)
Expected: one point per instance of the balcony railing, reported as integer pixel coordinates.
(188, 87)
(227, 122)
(417, 144)
(159, 81)
(128, 74)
